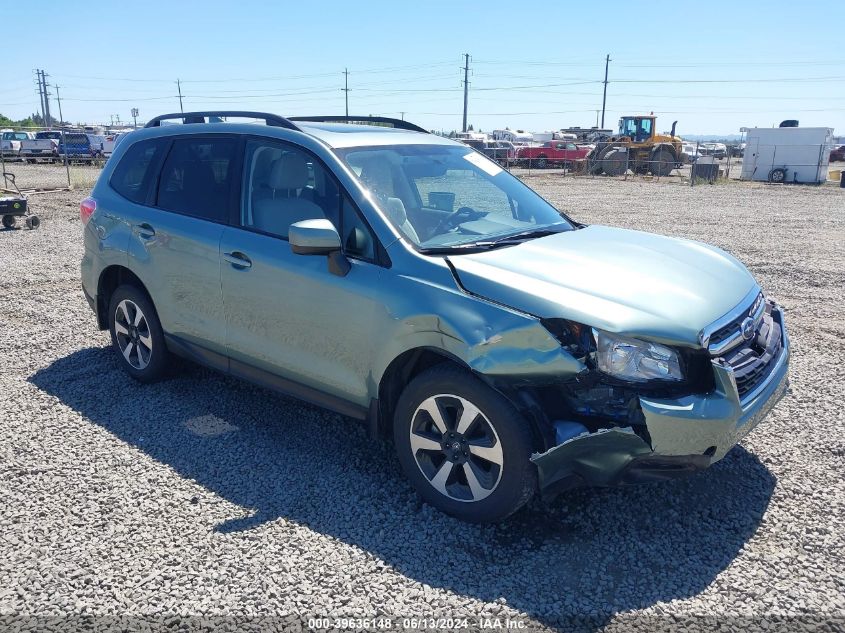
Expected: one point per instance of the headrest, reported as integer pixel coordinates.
(289, 172)
(396, 211)
(377, 177)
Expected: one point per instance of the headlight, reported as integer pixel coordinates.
(635, 360)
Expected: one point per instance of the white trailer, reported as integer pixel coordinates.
(787, 154)
(514, 136)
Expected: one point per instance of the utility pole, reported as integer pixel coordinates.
(59, 101)
(403, 115)
(179, 87)
(134, 118)
(62, 128)
(466, 88)
(47, 118)
(604, 96)
(40, 91)
(346, 88)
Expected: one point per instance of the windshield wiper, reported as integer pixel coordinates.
(523, 236)
(483, 245)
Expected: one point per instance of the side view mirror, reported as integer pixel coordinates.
(313, 237)
(319, 237)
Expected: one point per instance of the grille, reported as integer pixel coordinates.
(727, 331)
(752, 361)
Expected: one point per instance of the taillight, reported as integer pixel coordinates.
(86, 209)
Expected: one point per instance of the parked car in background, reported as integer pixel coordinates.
(738, 150)
(111, 142)
(80, 146)
(45, 146)
(399, 277)
(503, 152)
(837, 154)
(716, 150)
(550, 154)
(474, 143)
(10, 142)
(689, 153)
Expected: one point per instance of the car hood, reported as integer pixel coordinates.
(651, 286)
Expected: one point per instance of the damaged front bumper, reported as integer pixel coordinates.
(686, 434)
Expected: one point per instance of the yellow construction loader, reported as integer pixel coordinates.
(638, 147)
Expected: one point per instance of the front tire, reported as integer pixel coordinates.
(136, 334)
(464, 446)
(662, 163)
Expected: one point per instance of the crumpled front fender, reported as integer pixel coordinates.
(686, 434)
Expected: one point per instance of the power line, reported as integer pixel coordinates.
(256, 79)
(729, 81)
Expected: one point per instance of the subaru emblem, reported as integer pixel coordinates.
(747, 329)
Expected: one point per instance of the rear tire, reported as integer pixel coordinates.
(777, 175)
(9, 221)
(32, 222)
(136, 334)
(473, 462)
(542, 162)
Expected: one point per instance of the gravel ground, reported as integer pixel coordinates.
(206, 496)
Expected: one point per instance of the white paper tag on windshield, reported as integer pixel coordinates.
(483, 163)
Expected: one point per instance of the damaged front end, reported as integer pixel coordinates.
(605, 431)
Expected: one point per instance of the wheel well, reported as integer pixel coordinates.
(667, 147)
(405, 367)
(402, 370)
(110, 279)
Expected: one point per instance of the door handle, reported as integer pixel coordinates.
(145, 231)
(237, 259)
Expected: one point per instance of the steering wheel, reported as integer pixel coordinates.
(449, 222)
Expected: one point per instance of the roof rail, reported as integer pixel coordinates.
(400, 124)
(200, 117)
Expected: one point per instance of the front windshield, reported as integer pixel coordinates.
(443, 196)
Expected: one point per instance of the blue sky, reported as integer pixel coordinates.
(534, 65)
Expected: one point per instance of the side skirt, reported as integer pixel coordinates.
(264, 378)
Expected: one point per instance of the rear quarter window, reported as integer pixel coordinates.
(134, 174)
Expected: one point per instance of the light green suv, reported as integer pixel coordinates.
(404, 279)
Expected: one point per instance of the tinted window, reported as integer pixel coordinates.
(283, 185)
(133, 177)
(196, 176)
(77, 139)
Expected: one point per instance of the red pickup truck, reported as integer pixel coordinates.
(550, 153)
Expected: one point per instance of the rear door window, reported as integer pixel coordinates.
(197, 176)
(135, 173)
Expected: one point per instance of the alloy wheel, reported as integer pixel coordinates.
(133, 335)
(456, 448)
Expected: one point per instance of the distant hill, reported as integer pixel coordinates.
(730, 138)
